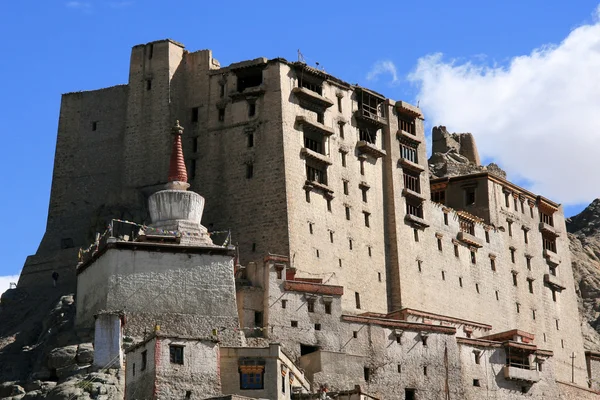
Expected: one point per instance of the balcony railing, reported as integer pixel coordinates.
(517, 373)
(368, 148)
(553, 281)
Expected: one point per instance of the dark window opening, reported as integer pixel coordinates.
(487, 236)
(327, 308)
(320, 118)
(456, 254)
(357, 299)
(407, 124)
(250, 140)
(416, 235)
(439, 196)
(477, 287)
(460, 282)
(94, 125)
(294, 324)
(364, 194)
(399, 368)
(148, 84)
(188, 394)
(249, 78)
(343, 155)
(221, 114)
(133, 369)
(347, 212)
(317, 327)
(368, 135)
(221, 89)
(424, 341)
(251, 109)
(379, 276)
(310, 305)
(439, 244)
(345, 184)
(317, 251)
(493, 264)
(414, 209)
(350, 244)
(533, 314)
(514, 276)
(341, 125)
(476, 382)
(150, 51)
(253, 247)
(466, 225)
(370, 250)
(144, 359)
(556, 324)
(410, 394)
(518, 359)
(512, 255)
(445, 218)
(316, 174)
(331, 236)
(284, 303)
(310, 228)
(546, 218)
(251, 379)
(367, 373)
(518, 308)
(339, 101)
(497, 295)
(411, 181)
(312, 85)
(367, 222)
(554, 295)
(509, 228)
(506, 199)
(470, 196)
(528, 262)
(425, 370)
(176, 354)
(419, 262)
(329, 205)
(371, 106)
(408, 152)
(258, 319)
(549, 243)
(306, 349)
(355, 334)
(552, 269)
(249, 171)
(195, 114)
(443, 275)
(477, 357)
(473, 257)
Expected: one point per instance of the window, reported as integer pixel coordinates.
(367, 215)
(345, 183)
(411, 181)
(525, 236)
(470, 196)
(416, 235)
(552, 269)
(477, 357)
(493, 264)
(350, 244)
(456, 254)
(364, 190)
(192, 173)
(476, 382)
(425, 370)
(379, 276)
(477, 288)
(562, 343)
(556, 324)
(251, 377)
(533, 314)
(221, 89)
(279, 274)
(314, 141)
(445, 218)
(549, 243)
(284, 303)
(150, 51)
(317, 327)
(406, 124)
(331, 236)
(250, 77)
(195, 114)
(460, 282)
(466, 225)
(327, 308)
(522, 206)
(367, 135)
(357, 299)
(518, 308)
(512, 254)
(516, 203)
(354, 334)
(249, 170)
(310, 228)
(530, 284)
(514, 276)
(341, 128)
(408, 152)
(528, 262)
(320, 118)
(221, 114)
(343, 155)
(316, 174)
(399, 368)
(148, 84)
(176, 354)
(311, 84)
(317, 252)
(258, 318)
(506, 199)
(414, 209)
(144, 359)
(546, 218)
(439, 244)
(410, 394)
(329, 204)
(473, 257)
(443, 275)
(251, 109)
(487, 236)
(347, 212)
(531, 210)
(94, 125)
(553, 295)
(497, 295)
(340, 262)
(367, 374)
(294, 324)
(133, 369)
(509, 228)
(362, 167)
(339, 101)
(439, 196)
(253, 247)
(310, 305)
(250, 140)
(370, 250)
(424, 340)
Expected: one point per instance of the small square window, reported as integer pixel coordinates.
(176, 354)
(294, 324)
(476, 382)
(321, 118)
(355, 334)
(317, 327)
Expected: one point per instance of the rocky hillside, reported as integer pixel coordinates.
(584, 241)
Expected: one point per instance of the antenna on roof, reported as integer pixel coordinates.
(418, 102)
(301, 57)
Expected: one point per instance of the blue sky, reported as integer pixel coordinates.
(53, 47)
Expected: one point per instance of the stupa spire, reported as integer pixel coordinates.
(177, 170)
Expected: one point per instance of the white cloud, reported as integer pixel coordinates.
(538, 117)
(383, 67)
(5, 282)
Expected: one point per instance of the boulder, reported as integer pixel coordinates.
(33, 385)
(17, 390)
(62, 357)
(34, 395)
(71, 370)
(85, 353)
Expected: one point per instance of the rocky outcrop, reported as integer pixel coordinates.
(584, 243)
(456, 154)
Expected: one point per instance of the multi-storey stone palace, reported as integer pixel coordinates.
(360, 267)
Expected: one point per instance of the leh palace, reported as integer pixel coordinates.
(265, 230)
